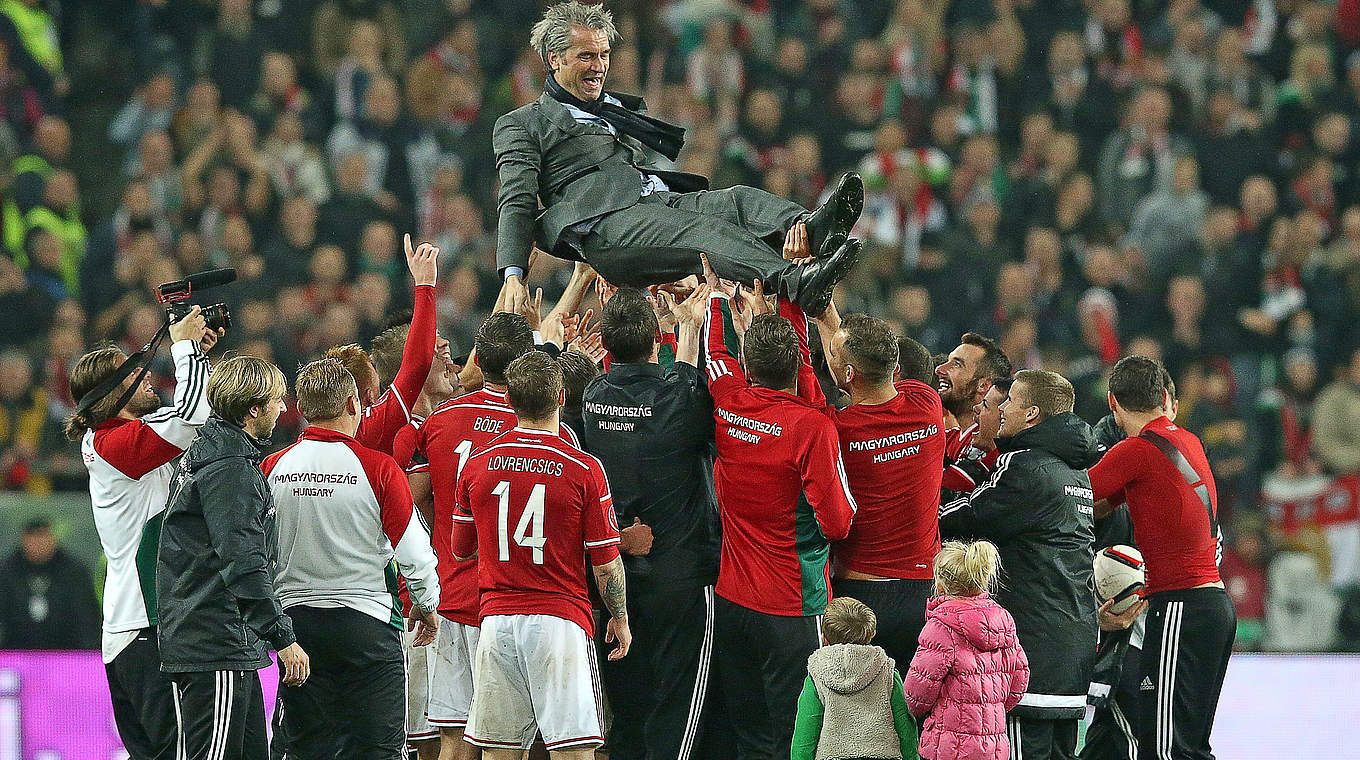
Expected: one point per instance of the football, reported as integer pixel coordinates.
(1119, 576)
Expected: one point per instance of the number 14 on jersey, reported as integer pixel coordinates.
(529, 527)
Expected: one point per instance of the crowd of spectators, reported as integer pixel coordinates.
(1080, 179)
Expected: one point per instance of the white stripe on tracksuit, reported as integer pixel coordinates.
(179, 723)
(222, 703)
(1014, 733)
(696, 700)
(1127, 729)
(1166, 679)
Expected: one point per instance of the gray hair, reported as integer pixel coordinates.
(552, 33)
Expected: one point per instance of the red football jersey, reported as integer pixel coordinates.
(781, 486)
(532, 506)
(1177, 534)
(894, 458)
(446, 439)
(380, 423)
(957, 441)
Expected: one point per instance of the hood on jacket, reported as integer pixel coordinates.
(1065, 436)
(219, 439)
(848, 668)
(979, 620)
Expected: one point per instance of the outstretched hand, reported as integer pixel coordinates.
(797, 247)
(710, 276)
(692, 310)
(751, 301)
(514, 295)
(423, 261)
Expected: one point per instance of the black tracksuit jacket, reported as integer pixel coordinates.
(218, 552)
(1037, 508)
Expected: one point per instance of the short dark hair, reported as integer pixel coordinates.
(914, 361)
(871, 345)
(533, 382)
(770, 348)
(628, 326)
(501, 339)
(386, 351)
(1049, 391)
(1003, 384)
(994, 362)
(91, 370)
(1169, 385)
(577, 372)
(1137, 383)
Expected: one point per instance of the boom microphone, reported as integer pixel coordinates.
(181, 289)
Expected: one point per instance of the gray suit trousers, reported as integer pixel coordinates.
(659, 239)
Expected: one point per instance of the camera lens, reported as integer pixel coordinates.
(217, 317)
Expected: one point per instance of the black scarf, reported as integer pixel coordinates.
(656, 134)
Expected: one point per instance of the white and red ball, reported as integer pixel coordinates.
(1119, 575)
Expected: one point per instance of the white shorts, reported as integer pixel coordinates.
(417, 689)
(535, 672)
(454, 648)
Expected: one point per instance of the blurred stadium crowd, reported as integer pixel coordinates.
(1081, 180)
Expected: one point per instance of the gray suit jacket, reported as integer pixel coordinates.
(578, 171)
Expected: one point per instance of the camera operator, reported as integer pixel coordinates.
(128, 453)
(219, 613)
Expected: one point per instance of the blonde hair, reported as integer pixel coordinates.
(966, 569)
(323, 386)
(360, 365)
(242, 382)
(849, 621)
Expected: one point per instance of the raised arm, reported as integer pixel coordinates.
(808, 388)
(418, 353)
(159, 437)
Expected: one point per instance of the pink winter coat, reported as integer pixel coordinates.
(969, 670)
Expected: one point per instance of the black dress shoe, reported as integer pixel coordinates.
(817, 279)
(837, 215)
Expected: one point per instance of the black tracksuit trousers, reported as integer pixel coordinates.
(1185, 656)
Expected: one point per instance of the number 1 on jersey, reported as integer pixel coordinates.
(463, 451)
(529, 528)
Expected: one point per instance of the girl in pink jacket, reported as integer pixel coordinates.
(969, 669)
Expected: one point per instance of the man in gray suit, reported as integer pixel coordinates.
(585, 154)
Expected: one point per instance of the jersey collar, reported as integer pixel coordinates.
(323, 434)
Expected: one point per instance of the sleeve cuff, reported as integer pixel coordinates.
(513, 272)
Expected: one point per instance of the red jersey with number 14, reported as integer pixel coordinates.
(532, 506)
(447, 438)
(1176, 531)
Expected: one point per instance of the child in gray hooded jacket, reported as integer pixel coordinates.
(852, 706)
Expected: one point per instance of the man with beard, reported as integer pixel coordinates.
(964, 378)
(589, 157)
(128, 452)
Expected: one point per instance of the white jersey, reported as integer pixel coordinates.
(344, 512)
(130, 470)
